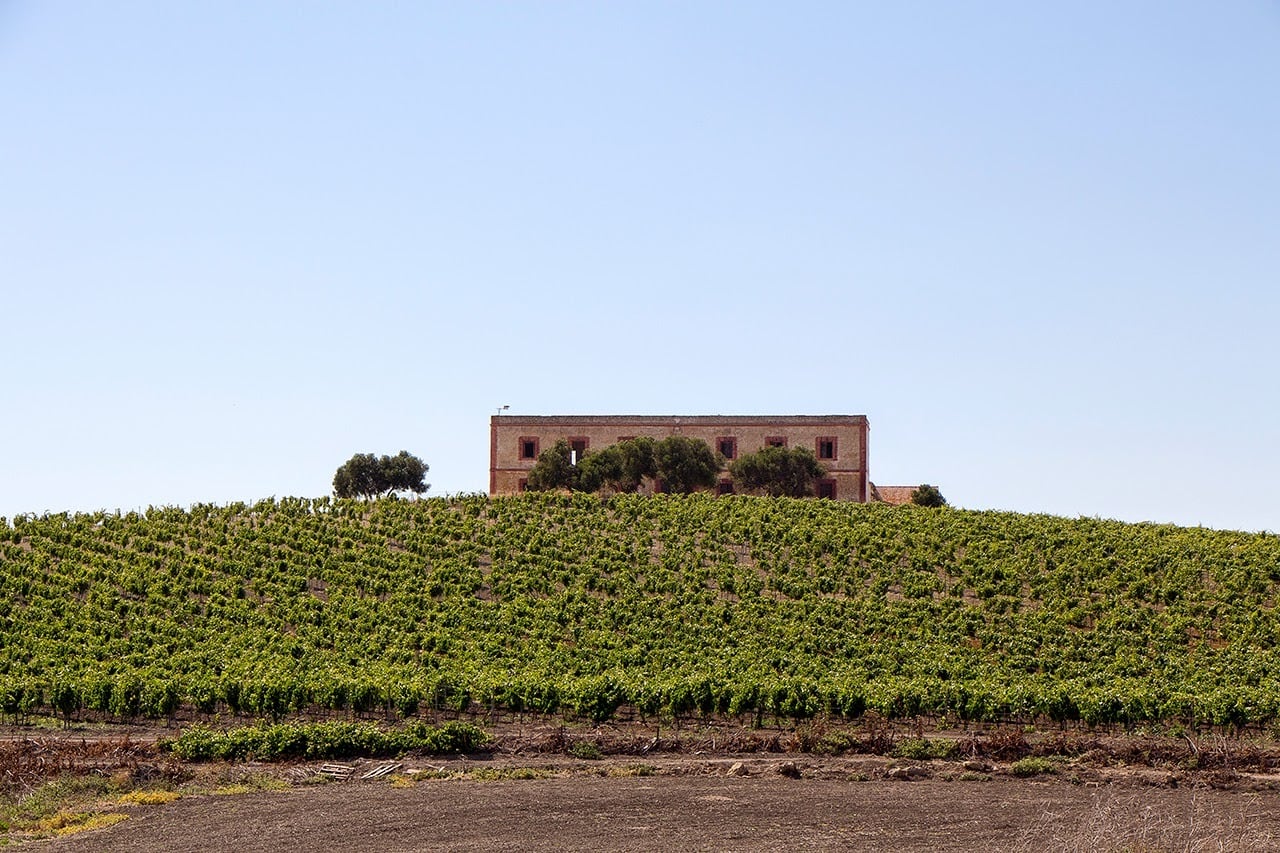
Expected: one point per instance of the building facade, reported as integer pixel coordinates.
(838, 441)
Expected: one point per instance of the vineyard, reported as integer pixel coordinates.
(756, 608)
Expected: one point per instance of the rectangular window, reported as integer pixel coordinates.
(578, 445)
(827, 489)
(528, 448)
(826, 447)
(724, 487)
(728, 447)
(775, 441)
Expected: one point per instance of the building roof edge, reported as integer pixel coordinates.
(678, 419)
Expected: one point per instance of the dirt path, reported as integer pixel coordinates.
(764, 811)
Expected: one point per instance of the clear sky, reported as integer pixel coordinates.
(1037, 244)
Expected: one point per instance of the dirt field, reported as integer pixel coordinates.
(698, 804)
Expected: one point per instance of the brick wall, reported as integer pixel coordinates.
(516, 441)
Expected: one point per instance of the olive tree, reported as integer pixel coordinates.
(683, 465)
(367, 476)
(554, 469)
(686, 464)
(927, 495)
(777, 471)
(620, 467)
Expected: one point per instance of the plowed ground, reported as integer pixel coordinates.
(697, 804)
(712, 787)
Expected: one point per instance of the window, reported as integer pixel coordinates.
(578, 445)
(528, 448)
(724, 487)
(728, 447)
(775, 441)
(826, 447)
(827, 489)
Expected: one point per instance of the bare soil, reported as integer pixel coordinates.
(721, 788)
(705, 810)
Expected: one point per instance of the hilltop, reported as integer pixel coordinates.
(645, 606)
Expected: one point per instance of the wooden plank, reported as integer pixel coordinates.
(380, 771)
(337, 771)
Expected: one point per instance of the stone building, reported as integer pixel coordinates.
(838, 441)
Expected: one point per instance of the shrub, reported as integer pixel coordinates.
(322, 740)
(587, 750)
(778, 472)
(449, 738)
(927, 495)
(197, 743)
(1032, 765)
(919, 749)
(834, 743)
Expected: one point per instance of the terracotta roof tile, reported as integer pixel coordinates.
(892, 495)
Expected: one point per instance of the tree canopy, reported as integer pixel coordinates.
(686, 464)
(368, 476)
(682, 464)
(777, 471)
(620, 467)
(927, 495)
(554, 469)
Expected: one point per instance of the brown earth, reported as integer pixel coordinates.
(699, 804)
(705, 787)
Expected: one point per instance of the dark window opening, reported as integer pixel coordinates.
(528, 448)
(724, 487)
(827, 489)
(728, 447)
(775, 441)
(578, 446)
(826, 448)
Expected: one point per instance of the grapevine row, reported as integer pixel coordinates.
(664, 605)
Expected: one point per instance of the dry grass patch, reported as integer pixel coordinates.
(1119, 822)
(632, 770)
(69, 823)
(486, 774)
(148, 798)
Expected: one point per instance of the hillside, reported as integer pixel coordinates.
(736, 605)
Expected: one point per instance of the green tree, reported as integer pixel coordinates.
(360, 476)
(555, 469)
(927, 495)
(367, 476)
(686, 464)
(404, 472)
(777, 471)
(620, 467)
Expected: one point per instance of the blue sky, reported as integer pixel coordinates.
(1036, 244)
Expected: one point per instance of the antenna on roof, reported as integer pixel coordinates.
(502, 409)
